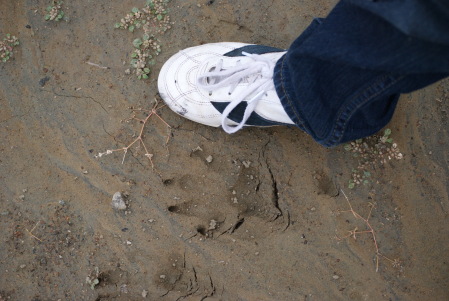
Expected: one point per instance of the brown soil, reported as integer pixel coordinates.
(259, 222)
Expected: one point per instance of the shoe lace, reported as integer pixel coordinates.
(258, 72)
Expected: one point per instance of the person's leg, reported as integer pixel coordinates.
(425, 20)
(341, 79)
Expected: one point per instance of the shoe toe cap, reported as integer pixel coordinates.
(177, 83)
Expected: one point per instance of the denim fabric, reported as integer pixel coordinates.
(408, 16)
(341, 78)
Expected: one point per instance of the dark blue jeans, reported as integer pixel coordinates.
(341, 78)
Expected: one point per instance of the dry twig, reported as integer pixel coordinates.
(31, 232)
(150, 113)
(370, 229)
(97, 65)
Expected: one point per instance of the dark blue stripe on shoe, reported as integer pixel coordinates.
(253, 49)
(237, 115)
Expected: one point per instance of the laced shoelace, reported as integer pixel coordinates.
(258, 72)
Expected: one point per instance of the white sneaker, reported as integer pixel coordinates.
(227, 84)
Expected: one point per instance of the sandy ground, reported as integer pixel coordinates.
(261, 221)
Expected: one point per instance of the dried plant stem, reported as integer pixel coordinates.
(31, 232)
(139, 139)
(96, 65)
(353, 233)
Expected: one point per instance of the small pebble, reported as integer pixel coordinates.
(162, 276)
(247, 164)
(43, 81)
(335, 277)
(209, 159)
(124, 288)
(212, 225)
(118, 202)
(144, 293)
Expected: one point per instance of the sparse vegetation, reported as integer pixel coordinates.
(371, 151)
(153, 19)
(6, 47)
(93, 279)
(54, 11)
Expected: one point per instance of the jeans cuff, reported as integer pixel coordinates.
(280, 83)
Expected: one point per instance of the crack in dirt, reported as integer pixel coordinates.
(288, 221)
(104, 129)
(213, 289)
(275, 190)
(193, 285)
(234, 227)
(174, 283)
(78, 97)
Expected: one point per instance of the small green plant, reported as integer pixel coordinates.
(6, 47)
(54, 11)
(141, 57)
(153, 19)
(370, 152)
(93, 279)
(359, 177)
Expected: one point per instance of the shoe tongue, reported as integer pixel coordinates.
(231, 63)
